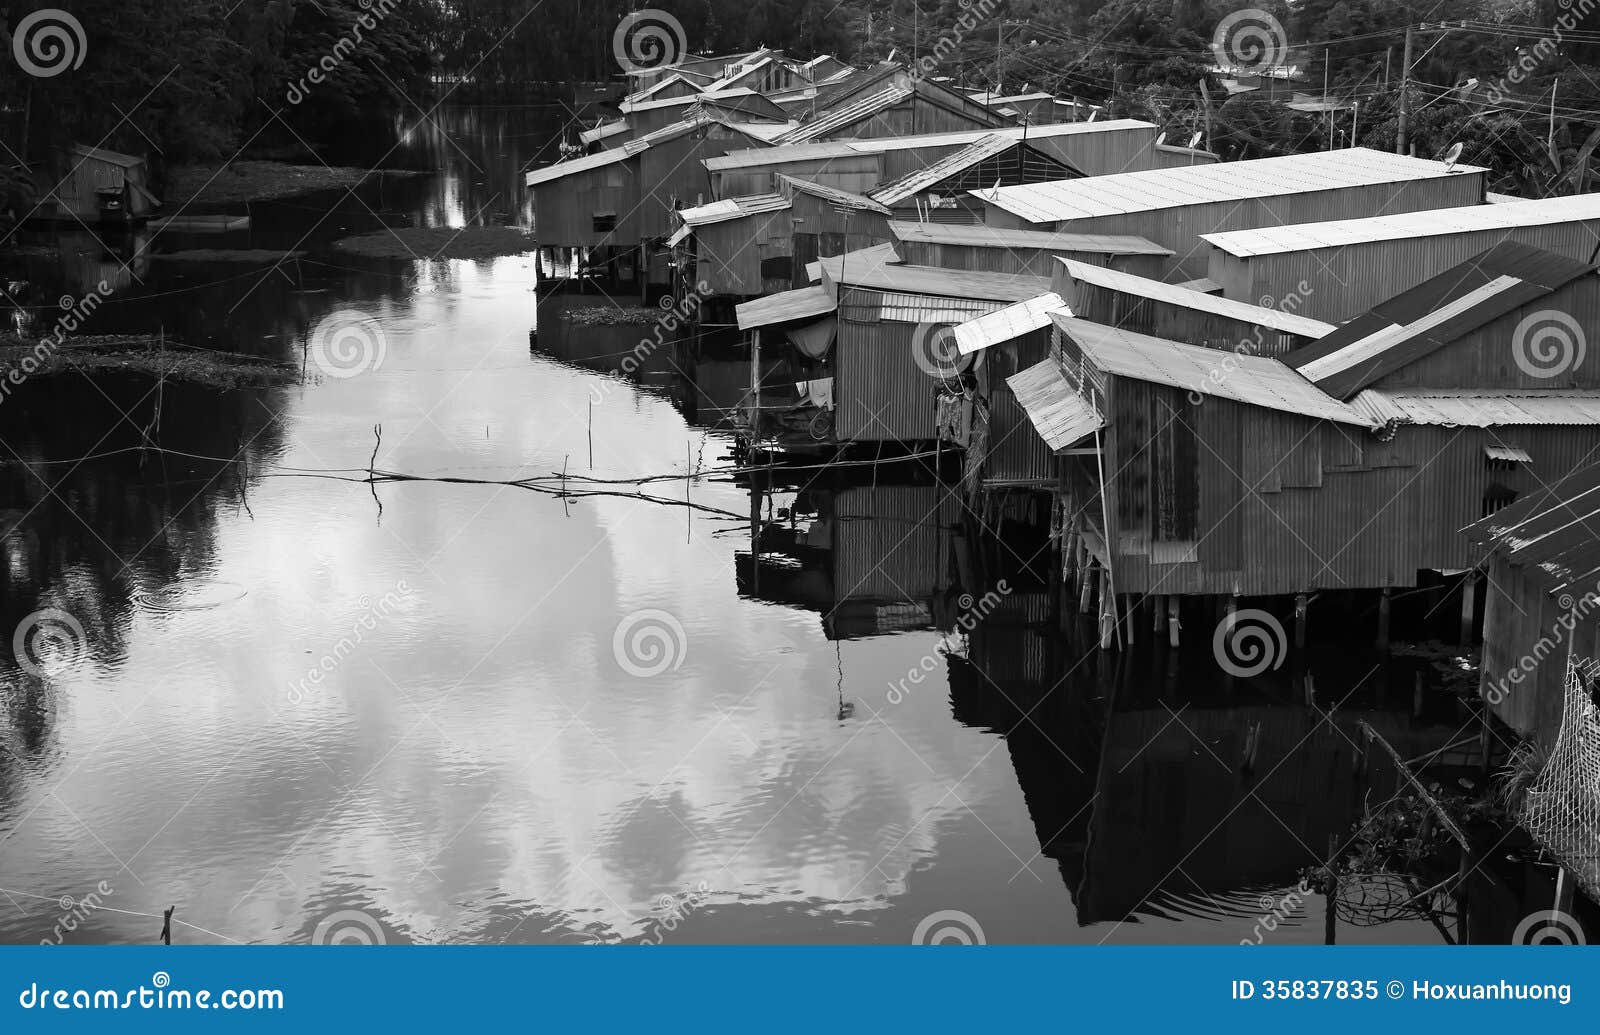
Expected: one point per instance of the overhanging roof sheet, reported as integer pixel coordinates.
(1555, 529)
(934, 280)
(733, 208)
(1481, 408)
(978, 235)
(756, 157)
(833, 195)
(799, 304)
(875, 255)
(923, 179)
(1013, 321)
(1124, 193)
(1420, 321)
(1062, 417)
(847, 114)
(1255, 380)
(1173, 294)
(1341, 233)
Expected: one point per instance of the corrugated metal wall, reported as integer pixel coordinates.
(880, 392)
(1288, 504)
(1035, 262)
(855, 173)
(1517, 614)
(1180, 228)
(1487, 357)
(891, 542)
(1016, 453)
(731, 253)
(1176, 323)
(1348, 280)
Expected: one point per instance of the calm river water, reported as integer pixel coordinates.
(473, 762)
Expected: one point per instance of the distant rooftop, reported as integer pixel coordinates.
(1124, 193)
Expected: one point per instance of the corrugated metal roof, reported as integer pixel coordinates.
(784, 306)
(679, 235)
(829, 122)
(978, 235)
(833, 195)
(876, 255)
(934, 280)
(1122, 193)
(1486, 408)
(1062, 417)
(1173, 294)
(1339, 233)
(733, 208)
(1013, 321)
(1256, 380)
(753, 158)
(1420, 321)
(1557, 529)
(731, 96)
(984, 147)
(911, 307)
(604, 131)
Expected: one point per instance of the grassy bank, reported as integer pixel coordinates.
(144, 354)
(239, 182)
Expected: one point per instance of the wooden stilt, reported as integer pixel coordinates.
(1085, 587)
(1383, 619)
(1469, 599)
(1173, 625)
(1108, 610)
(1301, 605)
(1131, 615)
(1158, 615)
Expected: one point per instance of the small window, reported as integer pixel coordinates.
(1505, 474)
(605, 222)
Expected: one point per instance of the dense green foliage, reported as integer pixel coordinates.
(186, 80)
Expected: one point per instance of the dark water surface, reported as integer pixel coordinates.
(477, 758)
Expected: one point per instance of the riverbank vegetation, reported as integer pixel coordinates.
(149, 355)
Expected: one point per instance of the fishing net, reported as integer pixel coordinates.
(1563, 807)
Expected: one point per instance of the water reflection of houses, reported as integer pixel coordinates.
(869, 559)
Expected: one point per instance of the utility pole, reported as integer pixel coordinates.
(999, 26)
(1403, 133)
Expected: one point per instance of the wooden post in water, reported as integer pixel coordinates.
(1469, 594)
(1383, 619)
(1173, 625)
(1330, 918)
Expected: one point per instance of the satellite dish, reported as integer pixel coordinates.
(1194, 141)
(1453, 155)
